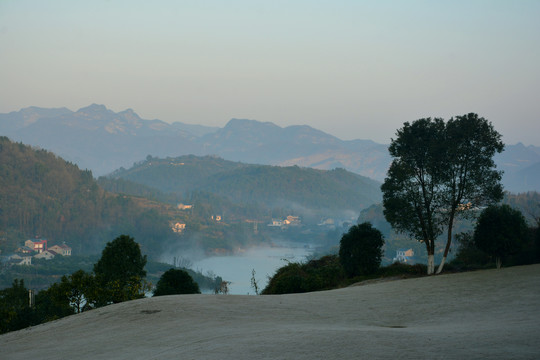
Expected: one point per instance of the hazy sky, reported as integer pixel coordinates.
(354, 69)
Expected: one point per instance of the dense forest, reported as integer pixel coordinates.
(42, 195)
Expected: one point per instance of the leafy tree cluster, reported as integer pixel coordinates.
(500, 231)
(118, 276)
(440, 171)
(174, 282)
(359, 255)
(360, 250)
(500, 234)
(43, 195)
(320, 274)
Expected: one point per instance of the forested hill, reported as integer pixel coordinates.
(272, 186)
(43, 195)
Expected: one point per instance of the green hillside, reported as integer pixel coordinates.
(267, 186)
(42, 195)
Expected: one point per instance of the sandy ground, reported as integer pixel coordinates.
(491, 314)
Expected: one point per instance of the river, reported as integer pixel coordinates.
(237, 269)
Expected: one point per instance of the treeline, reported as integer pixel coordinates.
(43, 195)
(118, 275)
(527, 203)
(501, 236)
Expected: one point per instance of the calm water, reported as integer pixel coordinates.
(237, 268)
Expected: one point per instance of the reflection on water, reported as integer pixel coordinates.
(237, 268)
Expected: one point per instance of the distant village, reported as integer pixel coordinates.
(37, 249)
(283, 223)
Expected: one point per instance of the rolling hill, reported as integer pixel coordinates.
(269, 186)
(43, 195)
(489, 314)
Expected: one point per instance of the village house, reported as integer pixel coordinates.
(20, 260)
(405, 256)
(24, 250)
(276, 223)
(63, 249)
(292, 220)
(178, 227)
(184, 206)
(37, 245)
(46, 254)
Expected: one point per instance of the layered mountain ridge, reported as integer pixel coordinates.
(102, 140)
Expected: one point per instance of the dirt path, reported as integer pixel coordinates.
(479, 315)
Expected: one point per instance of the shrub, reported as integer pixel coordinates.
(500, 231)
(176, 281)
(360, 250)
(321, 274)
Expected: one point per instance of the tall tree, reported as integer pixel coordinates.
(411, 197)
(470, 179)
(440, 171)
(120, 270)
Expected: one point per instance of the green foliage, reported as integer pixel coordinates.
(14, 307)
(399, 269)
(41, 194)
(469, 256)
(120, 270)
(176, 281)
(255, 184)
(126, 187)
(322, 274)
(360, 250)
(439, 172)
(54, 302)
(500, 231)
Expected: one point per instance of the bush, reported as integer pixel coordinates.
(321, 274)
(397, 269)
(176, 281)
(469, 256)
(500, 231)
(360, 250)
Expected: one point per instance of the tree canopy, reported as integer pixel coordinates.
(440, 171)
(121, 269)
(500, 231)
(360, 250)
(176, 281)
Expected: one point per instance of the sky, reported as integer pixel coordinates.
(354, 69)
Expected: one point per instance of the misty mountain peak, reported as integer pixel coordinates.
(93, 110)
(235, 124)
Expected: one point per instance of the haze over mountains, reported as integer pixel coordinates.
(101, 140)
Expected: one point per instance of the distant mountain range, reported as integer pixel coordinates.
(101, 140)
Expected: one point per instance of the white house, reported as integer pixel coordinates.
(63, 249)
(405, 256)
(46, 254)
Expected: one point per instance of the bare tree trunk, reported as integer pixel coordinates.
(441, 265)
(448, 243)
(431, 264)
(498, 262)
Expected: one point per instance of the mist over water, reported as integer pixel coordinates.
(264, 260)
